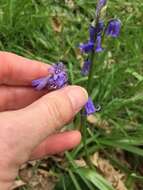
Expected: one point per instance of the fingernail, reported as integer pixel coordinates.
(78, 97)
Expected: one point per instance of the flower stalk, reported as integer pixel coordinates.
(94, 47)
(89, 83)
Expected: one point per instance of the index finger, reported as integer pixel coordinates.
(17, 70)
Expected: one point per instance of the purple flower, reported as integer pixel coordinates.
(86, 68)
(99, 44)
(92, 33)
(90, 108)
(113, 28)
(57, 79)
(86, 48)
(100, 27)
(95, 30)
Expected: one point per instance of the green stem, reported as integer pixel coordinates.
(91, 73)
(92, 58)
(83, 117)
(84, 132)
(89, 88)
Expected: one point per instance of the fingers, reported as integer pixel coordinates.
(16, 70)
(47, 114)
(12, 98)
(56, 144)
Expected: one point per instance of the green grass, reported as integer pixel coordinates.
(26, 29)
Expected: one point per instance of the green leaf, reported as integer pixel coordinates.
(124, 146)
(95, 179)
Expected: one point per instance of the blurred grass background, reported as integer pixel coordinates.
(51, 30)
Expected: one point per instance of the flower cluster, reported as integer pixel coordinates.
(97, 31)
(95, 40)
(56, 79)
(96, 34)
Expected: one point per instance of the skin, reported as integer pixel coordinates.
(29, 119)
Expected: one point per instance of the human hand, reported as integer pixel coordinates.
(29, 118)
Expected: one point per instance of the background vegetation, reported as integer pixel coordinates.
(51, 30)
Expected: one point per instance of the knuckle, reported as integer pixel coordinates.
(5, 66)
(59, 110)
(2, 65)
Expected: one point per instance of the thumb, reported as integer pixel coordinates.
(51, 112)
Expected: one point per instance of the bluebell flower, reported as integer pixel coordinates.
(57, 78)
(86, 68)
(113, 28)
(99, 44)
(86, 48)
(93, 31)
(100, 27)
(90, 108)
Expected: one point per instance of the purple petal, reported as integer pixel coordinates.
(86, 48)
(86, 68)
(99, 44)
(96, 30)
(92, 32)
(102, 2)
(41, 83)
(89, 107)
